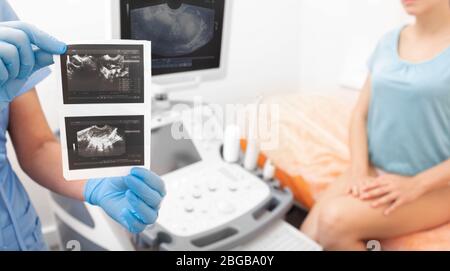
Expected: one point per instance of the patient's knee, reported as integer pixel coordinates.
(309, 227)
(334, 224)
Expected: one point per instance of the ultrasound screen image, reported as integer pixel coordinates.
(105, 141)
(186, 35)
(178, 31)
(103, 74)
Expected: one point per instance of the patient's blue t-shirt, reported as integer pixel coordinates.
(409, 115)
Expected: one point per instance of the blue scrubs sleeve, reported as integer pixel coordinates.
(34, 79)
(20, 227)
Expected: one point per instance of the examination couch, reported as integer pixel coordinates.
(312, 152)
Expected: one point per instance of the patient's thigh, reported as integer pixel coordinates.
(429, 211)
(335, 189)
(339, 187)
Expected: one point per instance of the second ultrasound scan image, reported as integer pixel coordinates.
(103, 73)
(105, 141)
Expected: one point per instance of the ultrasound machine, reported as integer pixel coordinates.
(210, 204)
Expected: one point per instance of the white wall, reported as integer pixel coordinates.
(264, 53)
(338, 36)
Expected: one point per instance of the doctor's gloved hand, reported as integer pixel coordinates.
(24, 49)
(133, 200)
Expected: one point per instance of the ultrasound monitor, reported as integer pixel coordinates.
(189, 37)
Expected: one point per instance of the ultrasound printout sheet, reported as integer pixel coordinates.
(105, 108)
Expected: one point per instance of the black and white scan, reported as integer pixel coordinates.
(103, 74)
(105, 141)
(104, 67)
(185, 34)
(98, 141)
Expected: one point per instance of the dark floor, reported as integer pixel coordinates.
(295, 216)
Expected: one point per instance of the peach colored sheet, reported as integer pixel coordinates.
(313, 140)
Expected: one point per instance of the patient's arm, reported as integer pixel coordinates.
(435, 178)
(360, 166)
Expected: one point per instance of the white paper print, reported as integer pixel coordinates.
(105, 108)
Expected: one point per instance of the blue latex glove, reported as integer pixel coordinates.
(133, 200)
(24, 49)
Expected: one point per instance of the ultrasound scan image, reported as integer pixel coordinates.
(103, 74)
(104, 67)
(100, 141)
(174, 32)
(105, 141)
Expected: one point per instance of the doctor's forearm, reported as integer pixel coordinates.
(37, 149)
(46, 169)
(435, 178)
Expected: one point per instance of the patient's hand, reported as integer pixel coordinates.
(391, 190)
(357, 182)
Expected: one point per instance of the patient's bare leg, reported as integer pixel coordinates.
(344, 220)
(337, 188)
